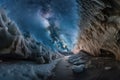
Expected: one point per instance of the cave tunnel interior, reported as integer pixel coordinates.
(68, 28)
(49, 21)
(59, 40)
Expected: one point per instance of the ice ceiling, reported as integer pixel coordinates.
(35, 16)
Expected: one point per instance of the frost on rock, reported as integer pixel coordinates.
(26, 70)
(12, 42)
(80, 58)
(78, 69)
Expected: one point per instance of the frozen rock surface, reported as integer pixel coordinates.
(79, 58)
(22, 70)
(18, 53)
(78, 69)
(13, 44)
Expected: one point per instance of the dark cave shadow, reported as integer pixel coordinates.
(106, 53)
(13, 57)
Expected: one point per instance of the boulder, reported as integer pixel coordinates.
(78, 69)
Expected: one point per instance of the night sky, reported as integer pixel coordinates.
(31, 15)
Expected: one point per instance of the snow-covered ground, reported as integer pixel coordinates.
(26, 70)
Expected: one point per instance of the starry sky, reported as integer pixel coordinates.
(31, 16)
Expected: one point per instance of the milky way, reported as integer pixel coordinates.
(31, 15)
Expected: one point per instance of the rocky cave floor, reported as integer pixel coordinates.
(73, 67)
(85, 67)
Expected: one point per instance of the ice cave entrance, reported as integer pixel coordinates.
(56, 37)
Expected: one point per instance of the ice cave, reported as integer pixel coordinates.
(59, 40)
